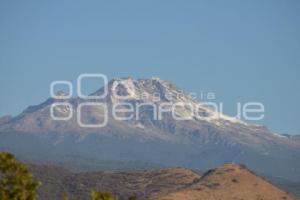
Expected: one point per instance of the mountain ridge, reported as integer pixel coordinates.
(166, 183)
(229, 181)
(197, 143)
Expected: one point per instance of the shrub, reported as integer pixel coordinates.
(102, 196)
(16, 183)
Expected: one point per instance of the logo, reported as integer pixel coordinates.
(181, 106)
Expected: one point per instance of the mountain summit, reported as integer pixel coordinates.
(145, 131)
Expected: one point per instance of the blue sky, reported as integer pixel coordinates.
(240, 50)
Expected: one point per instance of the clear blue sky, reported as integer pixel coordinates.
(241, 50)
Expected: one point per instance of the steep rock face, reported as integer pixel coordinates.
(204, 140)
(229, 182)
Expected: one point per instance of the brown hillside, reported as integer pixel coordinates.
(229, 182)
(58, 182)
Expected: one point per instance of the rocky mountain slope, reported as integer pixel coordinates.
(229, 181)
(204, 140)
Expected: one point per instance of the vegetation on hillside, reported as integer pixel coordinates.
(225, 182)
(16, 183)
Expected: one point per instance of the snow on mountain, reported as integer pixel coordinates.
(207, 139)
(158, 91)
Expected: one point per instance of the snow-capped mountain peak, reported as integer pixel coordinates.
(215, 137)
(158, 91)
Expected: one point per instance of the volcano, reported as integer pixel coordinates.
(141, 136)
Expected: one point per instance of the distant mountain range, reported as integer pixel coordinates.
(226, 182)
(144, 142)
